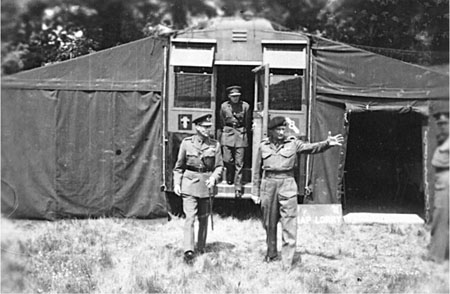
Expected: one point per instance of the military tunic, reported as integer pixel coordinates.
(235, 121)
(197, 161)
(274, 183)
(439, 245)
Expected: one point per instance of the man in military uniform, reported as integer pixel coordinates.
(198, 168)
(440, 225)
(275, 188)
(235, 123)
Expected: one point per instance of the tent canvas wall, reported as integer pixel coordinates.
(81, 138)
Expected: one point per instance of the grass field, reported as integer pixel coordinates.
(142, 256)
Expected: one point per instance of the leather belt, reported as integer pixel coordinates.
(203, 169)
(234, 125)
(278, 174)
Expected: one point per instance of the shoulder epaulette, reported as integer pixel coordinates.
(265, 140)
(290, 138)
(188, 138)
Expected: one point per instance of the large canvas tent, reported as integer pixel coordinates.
(84, 137)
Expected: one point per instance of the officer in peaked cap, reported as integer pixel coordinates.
(235, 123)
(439, 242)
(234, 90)
(274, 185)
(197, 170)
(204, 120)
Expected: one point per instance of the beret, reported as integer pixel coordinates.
(276, 122)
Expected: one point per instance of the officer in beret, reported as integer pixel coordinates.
(438, 249)
(197, 170)
(274, 185)
(235, 122)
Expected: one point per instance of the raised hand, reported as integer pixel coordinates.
(336, 140)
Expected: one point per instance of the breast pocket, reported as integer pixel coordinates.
(210, 152)
(192, 157)
(269, 160)
(287, 158)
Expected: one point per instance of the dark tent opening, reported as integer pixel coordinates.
(384, 167)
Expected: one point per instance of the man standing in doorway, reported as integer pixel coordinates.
(198, 168)
(275, 188)
(235, 124)
(440, 161)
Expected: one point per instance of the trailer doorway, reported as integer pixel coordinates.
(230, 75)
(384, 166)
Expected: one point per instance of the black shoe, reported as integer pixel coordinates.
(189, 257)
(271, 259)
(238, 194)
(201, 251)
(230, 182)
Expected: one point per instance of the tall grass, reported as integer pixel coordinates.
(138, 256)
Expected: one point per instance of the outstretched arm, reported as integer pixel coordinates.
(321, 146)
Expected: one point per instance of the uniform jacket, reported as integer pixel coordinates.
(440, 161)
(199, 154)
(281, 158)
(235, 122)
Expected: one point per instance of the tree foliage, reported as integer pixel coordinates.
(38, 32)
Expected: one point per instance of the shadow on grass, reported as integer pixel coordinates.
(210, 247)
(219, 246)
(241, 209)
(320, 254)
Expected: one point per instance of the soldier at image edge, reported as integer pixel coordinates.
(235, 123)
(274, 186)
(198, 169)
(439, 243)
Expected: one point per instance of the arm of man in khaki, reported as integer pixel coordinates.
(318, 147)
(179, 169)
(256, 188)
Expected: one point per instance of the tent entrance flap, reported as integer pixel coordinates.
(392, 106)
(384, 168)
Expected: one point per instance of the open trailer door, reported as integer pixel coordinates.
(280, 92)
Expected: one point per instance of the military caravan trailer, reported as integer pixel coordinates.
(270, 65)
(98, 135)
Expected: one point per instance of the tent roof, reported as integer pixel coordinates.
(340, 69)
(353, 72)
(135, 66)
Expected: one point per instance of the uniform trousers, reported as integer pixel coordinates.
(233, 158)
(192, 207)
(439, 243)
(276, 206)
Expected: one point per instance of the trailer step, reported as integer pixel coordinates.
(227, 191)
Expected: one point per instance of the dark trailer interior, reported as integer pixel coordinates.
(243, 76)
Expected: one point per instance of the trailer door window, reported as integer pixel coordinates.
(285, 91)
